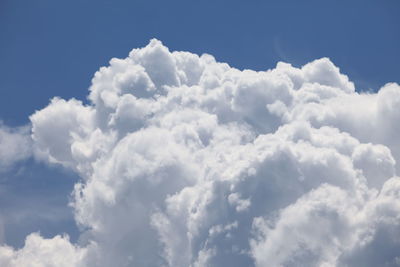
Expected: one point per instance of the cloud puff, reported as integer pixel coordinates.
(37, 251)
(186, 161)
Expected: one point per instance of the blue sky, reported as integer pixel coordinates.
(52, 48)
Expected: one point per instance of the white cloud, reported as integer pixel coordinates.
(39, 252)
(189, 162)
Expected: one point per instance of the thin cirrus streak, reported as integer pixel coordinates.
(185, 161)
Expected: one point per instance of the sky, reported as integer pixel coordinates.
(211, 156)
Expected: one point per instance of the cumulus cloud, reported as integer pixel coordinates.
(37, 251)
(186, 161)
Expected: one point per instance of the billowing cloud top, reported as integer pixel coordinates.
(186, 161)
